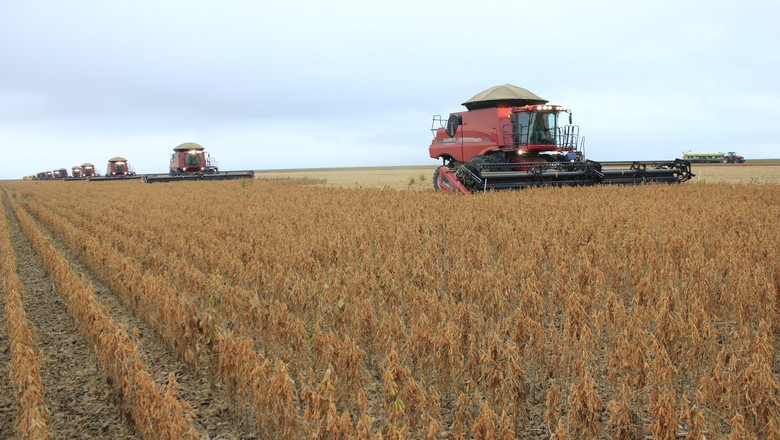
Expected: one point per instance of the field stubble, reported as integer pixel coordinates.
(586, 312)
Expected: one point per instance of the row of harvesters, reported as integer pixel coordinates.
(117, 169)
(188, 162)
(510, 138)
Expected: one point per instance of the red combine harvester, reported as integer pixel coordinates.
(509, 138)
(83, 172)
(117, 169)
(88, 170)
(44, 175)
(60, 173)
(190, 161)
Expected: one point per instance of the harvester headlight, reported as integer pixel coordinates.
(520, 152)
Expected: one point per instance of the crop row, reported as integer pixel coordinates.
(32, 413)
(263, 385)
(157, 413)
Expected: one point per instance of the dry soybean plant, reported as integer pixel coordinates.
(619, 312)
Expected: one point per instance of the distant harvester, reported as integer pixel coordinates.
(190, 161)
(117, 169)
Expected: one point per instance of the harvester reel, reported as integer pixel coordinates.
(683, 170)
(468, 174)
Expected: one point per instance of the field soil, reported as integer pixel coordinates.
(748, 172)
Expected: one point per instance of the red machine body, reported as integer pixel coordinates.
(481, 131)
(84, 171)
(188, 162)
(117, 166)
(88, 170)
(191, 158)
(60, 173)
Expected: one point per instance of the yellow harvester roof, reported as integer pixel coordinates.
(187, 146)
(506, 95)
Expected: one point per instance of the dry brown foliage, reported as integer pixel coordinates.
(32, 420)
(330, 311)
(157, 413)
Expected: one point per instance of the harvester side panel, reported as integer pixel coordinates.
(477, 134)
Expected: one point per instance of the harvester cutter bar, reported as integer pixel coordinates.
(226, 175)
(536, 174)
(107, 178)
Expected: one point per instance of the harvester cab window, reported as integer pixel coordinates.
(119, 167)
(543, 128)
(520, 124)
(192, 160)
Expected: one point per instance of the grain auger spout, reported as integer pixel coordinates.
(509, 138)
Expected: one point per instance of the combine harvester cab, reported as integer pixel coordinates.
(83, 172)
(117, 169)
(60, 173)
(76, 174)
(88, 170)
(190, 161)
(44, 175)
(510, 138)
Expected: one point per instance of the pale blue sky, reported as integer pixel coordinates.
(301, 84)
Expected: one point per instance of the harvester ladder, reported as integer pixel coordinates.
(569, 137)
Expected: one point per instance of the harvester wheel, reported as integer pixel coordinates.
(436, 179)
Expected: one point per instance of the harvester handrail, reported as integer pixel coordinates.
(434, 128)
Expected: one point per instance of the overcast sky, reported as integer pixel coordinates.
(303, 84)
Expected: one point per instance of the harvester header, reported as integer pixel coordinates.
(510, 138)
